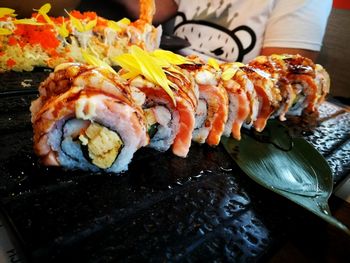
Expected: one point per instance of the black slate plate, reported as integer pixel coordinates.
(173, 43)
(165, 208)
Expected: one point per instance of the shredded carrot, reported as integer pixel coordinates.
(147, 10)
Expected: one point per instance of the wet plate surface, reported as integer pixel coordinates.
(163, 209)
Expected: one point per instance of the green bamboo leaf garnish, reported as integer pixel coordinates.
(287, 166)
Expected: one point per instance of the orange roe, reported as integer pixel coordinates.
(43, 35)
(56, 20)
(102, 22)
(10, 62)
(12, 41)
(85, 15)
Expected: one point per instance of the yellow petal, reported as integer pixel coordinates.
(114, 25)
(151, 70)
(95, 61)
(229, 73)
(169, 56)
(28, 21)
(124, 21)
(282, 57)
(76, 23)
(5, 31)
(173, 85)
(120, 25)
(6, 11)
(130, 75)
(63, 31)
(129, 63)
(44, 9)
(214, 63)
(238, 64)
(91, 24)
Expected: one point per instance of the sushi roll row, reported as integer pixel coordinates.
(46, 41)
(275, 86)
(91, 117)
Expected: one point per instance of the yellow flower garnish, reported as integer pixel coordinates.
(63, 31)
(169, 56)
(139, 61)
(214, 63)
(28, 21)
(118, 26)
(151, 70)
(129, 63)
(80, 26)
(229, 73)
(114, 25)
(282, 57)
(5, 31)
(238, 64)
(4, 11)
(95, 61)
(43, 10)
(76, 23)
(90, 25)
(124, 21)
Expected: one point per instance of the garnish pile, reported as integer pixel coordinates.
(44, 41)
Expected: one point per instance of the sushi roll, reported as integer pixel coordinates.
(323, 83)
(170, 97)
(243, 103)
(86, 119)
(169, 124)
(309, 81)
(212, 111)
(268, 94)
(302, 85)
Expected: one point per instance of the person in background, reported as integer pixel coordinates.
(24, 9)
(235, 30)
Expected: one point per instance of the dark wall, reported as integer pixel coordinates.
(335, 53)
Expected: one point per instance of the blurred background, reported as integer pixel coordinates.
(334, 56)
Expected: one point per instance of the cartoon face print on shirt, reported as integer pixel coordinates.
(213, 39)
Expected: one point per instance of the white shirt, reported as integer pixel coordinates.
(236, 30)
